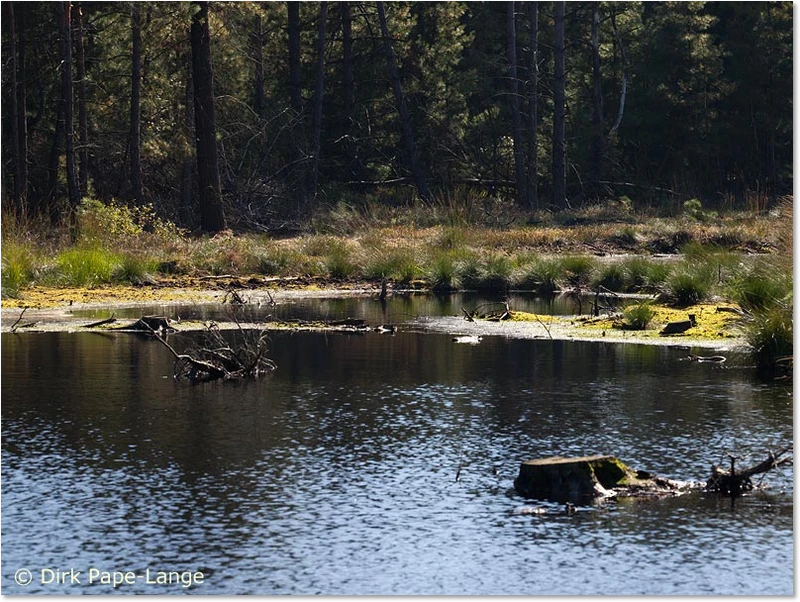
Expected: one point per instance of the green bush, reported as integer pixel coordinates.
(540, 275)
(638, 316)
(763, 286)
(770, 335)
(688, 285)
(397, 264)
(577, 270)
(442, 273)
(111, 224)
(613, 277)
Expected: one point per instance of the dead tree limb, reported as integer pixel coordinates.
(735, 482)
(14, 326)
(110, 320)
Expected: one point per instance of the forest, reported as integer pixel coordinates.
(254, 115)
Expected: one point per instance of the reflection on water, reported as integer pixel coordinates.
(397, 309)
(336, 475)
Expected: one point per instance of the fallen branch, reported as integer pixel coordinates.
(110, 320)
(14, 326)
(733, 482)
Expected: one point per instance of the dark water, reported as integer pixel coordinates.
(397, 309)
(336, 475)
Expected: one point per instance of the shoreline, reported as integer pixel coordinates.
(58, 316)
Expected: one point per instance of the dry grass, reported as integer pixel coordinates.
(438, 242)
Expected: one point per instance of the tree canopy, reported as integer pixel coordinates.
(319, 103)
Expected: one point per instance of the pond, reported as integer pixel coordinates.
(337, 474)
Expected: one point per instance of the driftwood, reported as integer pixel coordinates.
(735, 482)
(15, 325)
(679, 326)
(148, 325)
(110, 320)
(217, 359)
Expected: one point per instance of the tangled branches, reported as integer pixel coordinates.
(217, 358)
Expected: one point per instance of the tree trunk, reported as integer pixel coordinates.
(65, 17)
(83, 121)
(348, 80)
(18, 106)
(186, 210)
(533, 75)
(519, 151)
(296, 100)
(136, 106)
(623, 93)
(559, 152)
(212, 218)
(257, 50)
(319, 87)
(407, 129)
(295, 87)
(598, 137)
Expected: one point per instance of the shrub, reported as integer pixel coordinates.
(638, 316)
(763, 286)
(577, 270)
(688, 285)
(101, 224)
(613, 277)
(442, 273)
(769, 333)
(540, 275)
(397, 264)
(641, 273)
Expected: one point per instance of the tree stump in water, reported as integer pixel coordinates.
(577, 480)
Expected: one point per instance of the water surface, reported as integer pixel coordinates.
(337, 474)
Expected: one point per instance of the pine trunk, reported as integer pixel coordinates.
(319, 88)
(83, 120)
(519, 151)
(533, 91)
(136, 106)
(212, 218)
(407, 129)
(559, 151)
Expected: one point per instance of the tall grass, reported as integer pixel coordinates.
(540, 275)
(85, 267)
(638, 316)
(17, 269)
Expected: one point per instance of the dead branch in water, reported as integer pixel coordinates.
(14, 326)
(110, 320)
(734, 482)
(219, 359)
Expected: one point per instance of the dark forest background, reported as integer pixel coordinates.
(252, 114)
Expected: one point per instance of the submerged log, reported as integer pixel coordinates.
(585, 479)
(149, 325)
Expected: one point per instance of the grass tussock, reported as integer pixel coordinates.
(638, 316)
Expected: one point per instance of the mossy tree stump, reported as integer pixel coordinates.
(576, 480)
